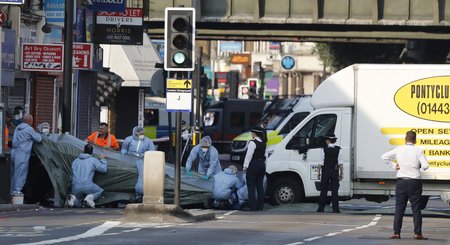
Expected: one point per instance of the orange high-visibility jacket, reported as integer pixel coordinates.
(109, 141)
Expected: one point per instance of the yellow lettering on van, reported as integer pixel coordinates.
(439, 164)
(419, 131)
(426, 98)
(422, 141)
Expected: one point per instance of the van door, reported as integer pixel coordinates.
(307, 163)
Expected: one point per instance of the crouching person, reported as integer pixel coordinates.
(225, 186)
(83, 170)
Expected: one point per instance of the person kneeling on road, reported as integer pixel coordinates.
(83, 170)
(208, 164)
(225, 186)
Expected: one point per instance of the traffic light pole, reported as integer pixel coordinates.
(197, 94)
(177, 179)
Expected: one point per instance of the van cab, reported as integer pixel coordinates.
(282, 116)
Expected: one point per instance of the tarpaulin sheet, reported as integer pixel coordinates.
(57, 152)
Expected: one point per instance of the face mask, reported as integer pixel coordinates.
(204, 150)
(45, 130)
(17, 117)
(141, 137)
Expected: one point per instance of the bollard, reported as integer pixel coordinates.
(153, 177)
(152, 208)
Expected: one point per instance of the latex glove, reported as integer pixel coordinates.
(205, 177)
(188, 173)
(124, 151)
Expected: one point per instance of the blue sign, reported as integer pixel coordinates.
(8, 57)
(54, 11)
(230, 46)
(159, 45)
(11, 2)
(109, 5)
(9, 49)
(287, 62)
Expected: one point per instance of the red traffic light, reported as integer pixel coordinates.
(252, 83)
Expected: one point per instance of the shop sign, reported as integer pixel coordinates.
(242, 59)
(83, 56)
(108, 5)
(11, 2)
(42, 57)
(119, 28)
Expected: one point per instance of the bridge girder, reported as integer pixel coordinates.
(390, 21)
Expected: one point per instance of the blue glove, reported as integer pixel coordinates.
(188, 173)
(205, 177)
(124, 152)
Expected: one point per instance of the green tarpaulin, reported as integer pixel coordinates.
(57, 152)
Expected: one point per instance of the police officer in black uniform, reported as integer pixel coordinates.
(255, 169)
(330, 173)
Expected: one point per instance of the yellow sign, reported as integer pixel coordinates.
(418, 131)
(179, 84)
(243, 59)
(427, 98)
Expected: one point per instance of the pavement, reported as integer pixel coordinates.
(17, 207)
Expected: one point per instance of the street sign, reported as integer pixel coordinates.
(42, 57)
(244, 90)
(288, 62)
(82, 56)
(2, 18)
(179, 95)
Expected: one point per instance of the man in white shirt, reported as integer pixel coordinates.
(409, 186)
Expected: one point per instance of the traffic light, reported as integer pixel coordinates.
(253, 87)
(179, 38)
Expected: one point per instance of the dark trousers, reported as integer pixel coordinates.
(329, 181)
(255, 177)
(408, 189)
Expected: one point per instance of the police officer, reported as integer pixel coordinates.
(330, 173)
(255, 169)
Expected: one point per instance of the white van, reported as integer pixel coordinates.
(369, 108)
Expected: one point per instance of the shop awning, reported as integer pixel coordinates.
(108, 84)
(135, 64)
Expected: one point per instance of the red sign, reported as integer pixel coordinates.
(2, 17)
(82, 56)
(131, 17)
(42, 57)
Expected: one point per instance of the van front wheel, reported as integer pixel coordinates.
(285, 191)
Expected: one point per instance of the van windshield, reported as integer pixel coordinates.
(274, 119)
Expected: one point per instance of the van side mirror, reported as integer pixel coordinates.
(298, 143)
(303, 145)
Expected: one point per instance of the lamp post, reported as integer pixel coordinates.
(67, 73)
